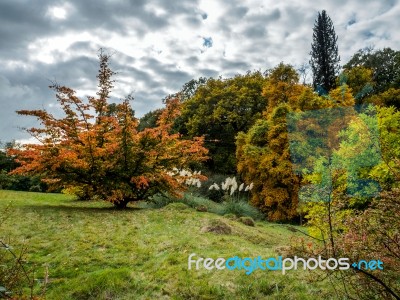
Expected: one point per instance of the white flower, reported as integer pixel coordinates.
(198, 183)
(232, 191)
(214, 186)
(246, 189)
(250, 186)
(184, 172)
(234, 183)
(241, 187)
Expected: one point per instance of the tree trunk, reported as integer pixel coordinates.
(121, 204)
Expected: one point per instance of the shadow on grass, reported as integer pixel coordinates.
(72, 208)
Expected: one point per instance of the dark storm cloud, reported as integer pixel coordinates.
(193, 21)
(148, 100)
(255, 31)
(352, 21)
(15, 96)
(132, 75)
(156, 45)
(208, 73)
(83, 46)
(256, 26)
(192, 60)
(234, 66)
(237, 12)
(169, 72)
(266, 17)
(69, 72)
(21, 22)
(175, 78)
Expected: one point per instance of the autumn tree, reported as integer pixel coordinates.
(263, 152)
(188, 89)
(149, 120)
(219, 109)
(97, 150)
(359, 218)
(360, 80)
(324, 54)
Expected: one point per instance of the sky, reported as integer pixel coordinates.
(157, 46)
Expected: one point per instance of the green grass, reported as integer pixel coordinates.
(93, 251)
(237, 207)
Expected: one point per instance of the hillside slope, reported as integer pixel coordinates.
(93, 251)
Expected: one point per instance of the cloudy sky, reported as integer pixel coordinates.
(160, 45)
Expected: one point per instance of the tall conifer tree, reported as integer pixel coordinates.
(324, 54)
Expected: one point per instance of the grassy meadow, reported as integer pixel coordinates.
(89, 250)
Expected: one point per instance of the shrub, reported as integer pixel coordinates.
(241, 209)
(176, 206)
(159, 201)
(197, 201)
(213, 194)
(15, 277)
(230, 208)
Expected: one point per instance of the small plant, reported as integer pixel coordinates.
(14, 275)
(234, 206)
(159, 201)
(231, 189)
(213, 194)
(240, 209)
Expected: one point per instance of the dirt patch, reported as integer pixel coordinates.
(247, 221)
(202, 208)
(217, 227)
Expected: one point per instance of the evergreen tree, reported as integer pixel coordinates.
(324, 54)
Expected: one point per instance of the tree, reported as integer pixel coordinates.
(360, 80)
(149, 120)
(188, 89)
(324, 54)
(263, 152)
(97, 149)
(349, 223)
(219, 109)
(385, 64)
